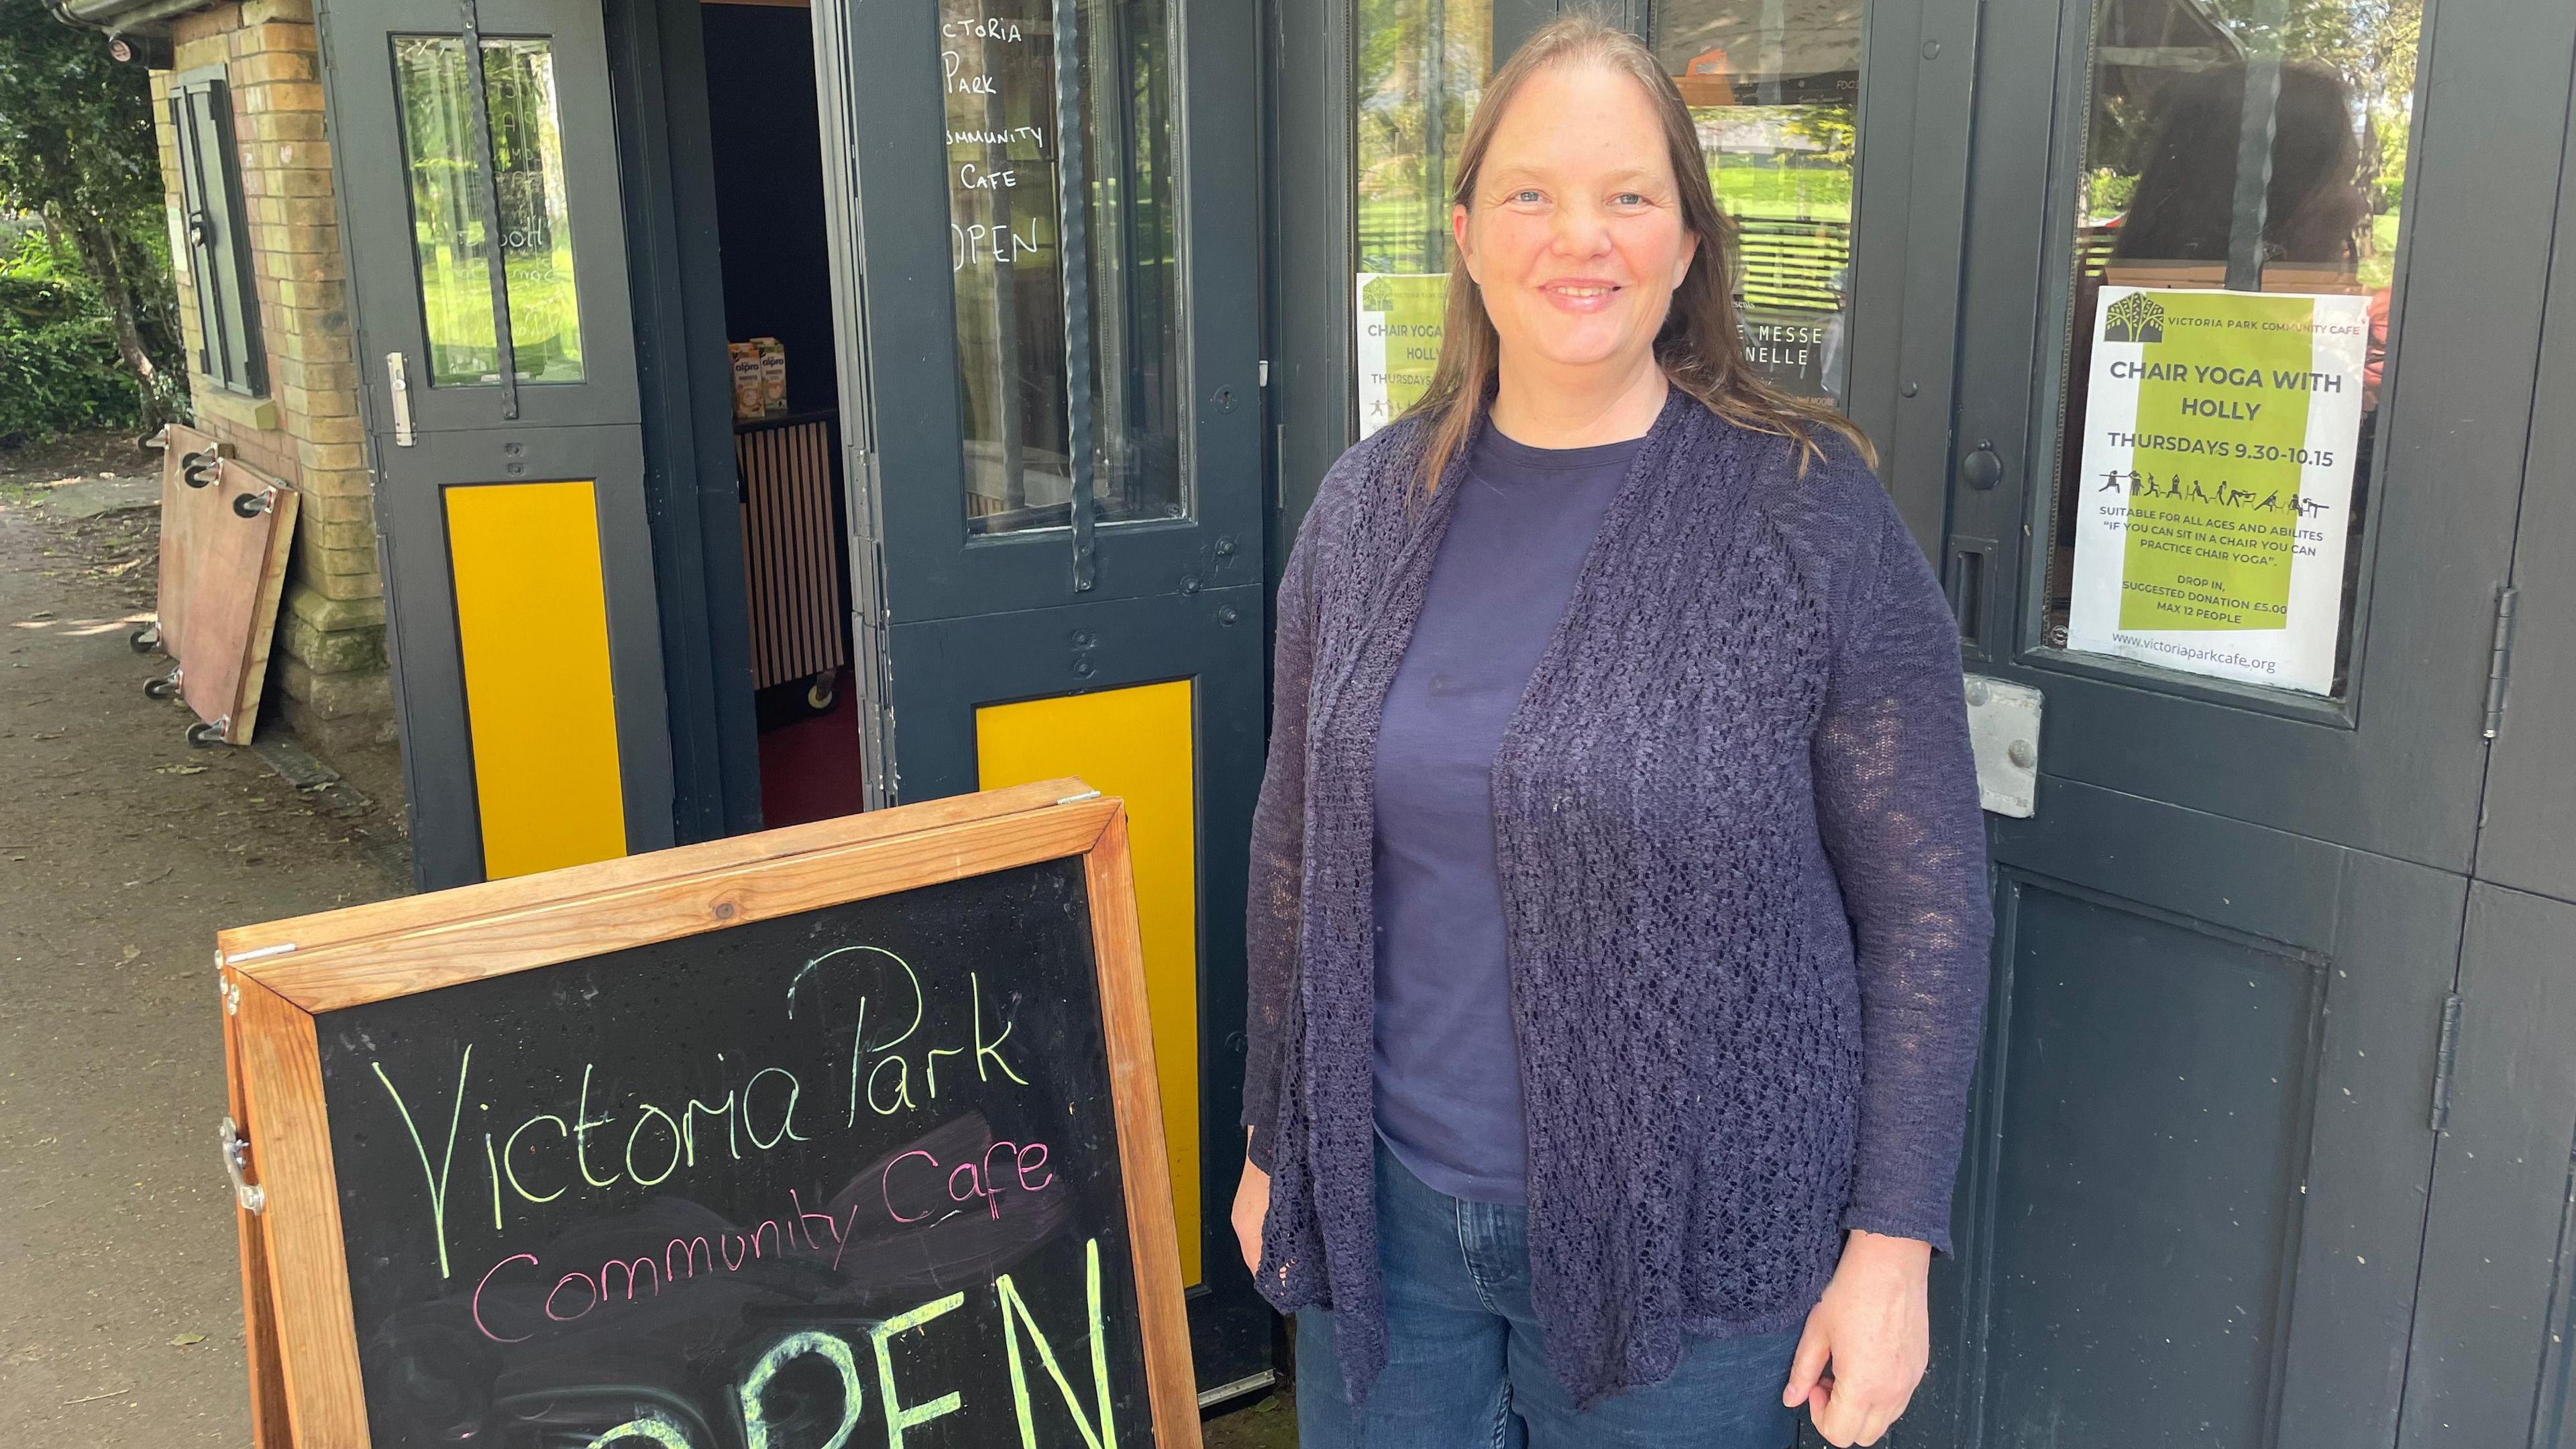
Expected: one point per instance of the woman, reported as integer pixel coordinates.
(1619, 922)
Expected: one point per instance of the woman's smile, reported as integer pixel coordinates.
(1584, 296)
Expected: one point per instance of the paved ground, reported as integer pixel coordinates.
(122, 852)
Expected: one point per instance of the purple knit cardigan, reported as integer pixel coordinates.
(1744, 891)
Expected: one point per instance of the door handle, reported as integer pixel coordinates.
(1970, 560)
(398, 383)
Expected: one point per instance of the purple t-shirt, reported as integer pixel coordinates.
(1447, 1070)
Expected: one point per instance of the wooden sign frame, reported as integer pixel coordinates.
(302, 1333)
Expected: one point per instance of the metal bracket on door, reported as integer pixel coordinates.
(2003, 733)
(398, 382)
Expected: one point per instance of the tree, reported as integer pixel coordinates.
(77, 149)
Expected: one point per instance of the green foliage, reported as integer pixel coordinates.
(1835, 130)
(1421, 66)
(43, 299)
(59, 369)
(77, 149)
(2388, 169)
(75, 125)
(2106, 193)
(23, 244)
(26, 250)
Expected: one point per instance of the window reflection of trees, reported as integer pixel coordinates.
(528, 182)
(1421, 65)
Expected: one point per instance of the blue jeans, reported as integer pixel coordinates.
(1466, 1366)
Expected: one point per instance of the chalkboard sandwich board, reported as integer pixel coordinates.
(842, 1134)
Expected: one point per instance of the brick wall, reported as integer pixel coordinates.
(328, 675)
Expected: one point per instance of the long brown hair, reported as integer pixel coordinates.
(1701, 344)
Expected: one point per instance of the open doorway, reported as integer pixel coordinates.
(765, 140)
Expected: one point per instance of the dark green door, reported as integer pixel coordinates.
(1045, 238)
(475, 153)
(2246, 363)
(2499, 1260)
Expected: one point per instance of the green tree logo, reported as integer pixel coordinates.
(2134, 318)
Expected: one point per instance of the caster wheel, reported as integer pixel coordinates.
(161, 686)
(250, 505)
(199, 469)
(144, 639)
(205, 736)
(820, 694)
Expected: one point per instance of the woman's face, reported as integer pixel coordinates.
(1575, 233)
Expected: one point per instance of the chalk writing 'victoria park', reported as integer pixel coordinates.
(545, 1155)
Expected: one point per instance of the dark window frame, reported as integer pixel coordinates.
(215, 230)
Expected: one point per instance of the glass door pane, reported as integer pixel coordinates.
(1062, 259)
(2236, 242)
(450, 243)
(1421, 66)
(1774, 86)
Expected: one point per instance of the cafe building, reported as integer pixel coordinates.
(713, 416)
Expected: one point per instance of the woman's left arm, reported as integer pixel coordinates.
(1896, 803)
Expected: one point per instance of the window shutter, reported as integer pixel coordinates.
(201, 114)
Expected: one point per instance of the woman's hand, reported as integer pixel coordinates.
(1251, 1208)
(1874, 1327)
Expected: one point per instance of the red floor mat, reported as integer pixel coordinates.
(811, 769)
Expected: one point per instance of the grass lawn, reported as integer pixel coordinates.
(545, 316)
(1747, 188)
(2379, 264)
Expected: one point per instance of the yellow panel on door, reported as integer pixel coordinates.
(532, 626)
(1137, 744)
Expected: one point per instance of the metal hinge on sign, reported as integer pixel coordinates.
(236, 1150)
(2446, 1050)
(2499, 661)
